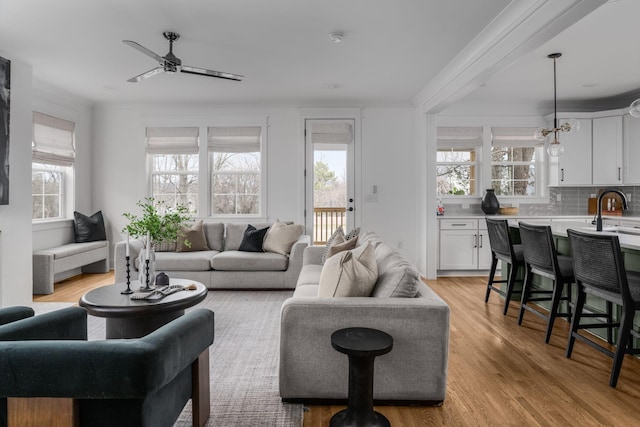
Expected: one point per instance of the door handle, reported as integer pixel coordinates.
(475, 240)
(481, 240)
(619, 174)
(562, 174)
(351, 209)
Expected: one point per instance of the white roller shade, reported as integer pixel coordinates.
(331, 133)
(514, 137)
(234, 139)
(459, 137)
(53, 140)
(172, 140)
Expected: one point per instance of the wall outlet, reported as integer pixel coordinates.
(465, 206)
(559, 197)
(370, 197)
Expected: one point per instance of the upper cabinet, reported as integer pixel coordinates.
(607, 151)
(631, 130)
(573, 167)
(602, 152)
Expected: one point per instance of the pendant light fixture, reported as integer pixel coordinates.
(634, 109)
(554, 148)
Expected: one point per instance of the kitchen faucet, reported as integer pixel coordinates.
(600, 199)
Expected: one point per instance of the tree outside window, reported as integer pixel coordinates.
(456, 171)
(46, 191)
(174, 180)
(236, 183)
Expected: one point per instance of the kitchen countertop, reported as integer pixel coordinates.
(629, 237)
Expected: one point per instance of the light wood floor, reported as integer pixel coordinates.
(500, 374)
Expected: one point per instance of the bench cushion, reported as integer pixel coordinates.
(74, 249)
(249, 261)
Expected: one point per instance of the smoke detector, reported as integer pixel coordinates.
(336, 37)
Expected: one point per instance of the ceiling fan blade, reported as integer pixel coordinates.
(146, 75)
(211, 73)
(144, 50)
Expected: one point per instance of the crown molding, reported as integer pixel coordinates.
(520, 28)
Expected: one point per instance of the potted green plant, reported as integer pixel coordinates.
(158, 223)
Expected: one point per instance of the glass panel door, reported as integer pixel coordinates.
(329, 177)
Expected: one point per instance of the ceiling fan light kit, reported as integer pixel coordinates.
(172, 64)
(554, 148)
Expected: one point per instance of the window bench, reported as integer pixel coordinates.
(93, 257)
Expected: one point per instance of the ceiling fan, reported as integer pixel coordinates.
(172, 64)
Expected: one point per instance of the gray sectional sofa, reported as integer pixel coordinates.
(415, 371)
(223, 266)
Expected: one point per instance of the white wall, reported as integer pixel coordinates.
(387, 160)
(15, 218)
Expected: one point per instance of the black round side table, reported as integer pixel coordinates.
(362, 345)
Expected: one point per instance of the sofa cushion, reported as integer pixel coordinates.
(89, 228)
(306, 291)
(339, 232)
(214, 233)
(281, 237)
(309, 275)
(249, 261)
(350, 273)
(369, 237)
(235, 233)
(253, 239)
(340, 244)
(397, 277)
(195, 236)
(183, 261)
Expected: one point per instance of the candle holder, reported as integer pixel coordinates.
(146, 287)
(128, 290)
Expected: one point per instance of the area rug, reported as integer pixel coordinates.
(244, 360)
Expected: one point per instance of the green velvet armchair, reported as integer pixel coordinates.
(133, 382)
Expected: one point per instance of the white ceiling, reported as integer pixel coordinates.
(599, 67)
(391, 50)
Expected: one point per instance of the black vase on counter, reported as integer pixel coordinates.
(490, 204)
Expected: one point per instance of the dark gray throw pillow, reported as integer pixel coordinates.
(89, 228)
(252, 239)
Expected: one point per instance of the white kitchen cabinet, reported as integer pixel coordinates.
(631, 149)
(574, 166)
(464, 245)
(607, 151)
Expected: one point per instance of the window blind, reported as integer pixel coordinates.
(234, 139)
(514, 137)
(172, 140)
(331, 133)
(459, 137)
(53, 140)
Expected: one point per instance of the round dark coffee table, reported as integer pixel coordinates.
(362, 345)
(130, 318)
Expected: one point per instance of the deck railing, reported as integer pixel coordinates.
(325, 222)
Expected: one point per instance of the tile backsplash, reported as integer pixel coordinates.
(573, 201)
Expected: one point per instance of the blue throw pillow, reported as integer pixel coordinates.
(89, 228)
(252, 239)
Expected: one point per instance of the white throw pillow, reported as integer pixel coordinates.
(351, 273)
(281, 237)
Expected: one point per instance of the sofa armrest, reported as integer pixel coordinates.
(119, 261)
(295, 261)
(11, 314)
(313, 255)
(414, 370)
(64, 324)
(120, 369)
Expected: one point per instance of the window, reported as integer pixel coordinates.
(173, 154)
(53, 156)
(236, 170)
(515, 162)
(457, 160)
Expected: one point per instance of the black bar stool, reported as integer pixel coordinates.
(541, 258)
(599, 269)
(503, 249)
